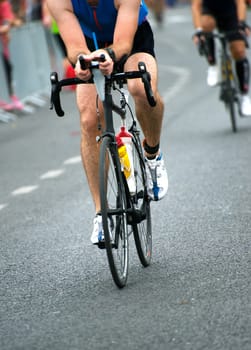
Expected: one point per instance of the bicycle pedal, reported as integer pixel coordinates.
(140, 194)
(101, 244)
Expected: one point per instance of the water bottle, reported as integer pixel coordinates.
(124, 141)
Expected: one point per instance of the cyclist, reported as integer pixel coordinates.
(227, 16)
(158, 8)
(119, 29)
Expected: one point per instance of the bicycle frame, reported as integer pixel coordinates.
(229, 91)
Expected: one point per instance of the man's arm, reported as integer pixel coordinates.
(126, 26)
(69, 28)
(241, 9)
(196, 13)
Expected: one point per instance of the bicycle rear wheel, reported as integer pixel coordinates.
(113, 210)
(141, 223)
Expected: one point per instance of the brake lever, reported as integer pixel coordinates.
(55, 94)
(146, 79)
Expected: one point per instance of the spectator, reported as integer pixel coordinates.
(158, 8)
(33, 10)
(7, 19)
(50, 23)
(19, 10)
(36, 10)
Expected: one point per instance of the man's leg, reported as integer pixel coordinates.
(86, 100)
(208, 25)
(238, 52)
(242, 67)
(89, 122)
(150, 119)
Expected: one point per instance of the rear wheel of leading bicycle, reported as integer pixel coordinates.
(142, 226)
(113, 210)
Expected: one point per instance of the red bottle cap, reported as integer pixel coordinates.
(124, 133)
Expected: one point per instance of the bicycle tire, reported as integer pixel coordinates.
(230, 105)
(113, 211)
(229, 92)
(142, 224)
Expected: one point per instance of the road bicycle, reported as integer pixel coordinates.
(123, 213)
(229, 87)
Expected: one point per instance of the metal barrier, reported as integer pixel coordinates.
(34, 54)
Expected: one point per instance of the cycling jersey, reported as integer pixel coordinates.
(101, 20)
(220, 6)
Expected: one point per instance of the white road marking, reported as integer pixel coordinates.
(24, 190)
(183, 75)
(52, 174)
(2, 206)
(178, 19)
(73, 160)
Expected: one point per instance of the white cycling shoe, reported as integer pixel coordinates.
(213, 76)
(245, 105)
(97, 236)
(157, 180)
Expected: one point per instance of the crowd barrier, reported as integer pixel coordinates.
(34, 55)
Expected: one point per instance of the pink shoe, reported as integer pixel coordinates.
(6, 106)
(16, 103)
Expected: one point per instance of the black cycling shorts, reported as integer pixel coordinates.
(61, 44)
(143, 41)
(227, 22)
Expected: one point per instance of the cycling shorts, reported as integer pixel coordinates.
(143, 42)
(227, 22)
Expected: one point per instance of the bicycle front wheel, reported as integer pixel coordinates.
(113, 210)
(230, 104)
(228, 96)
(141, 223)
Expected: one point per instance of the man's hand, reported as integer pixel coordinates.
(199, 41)
(244, 28)
(105, 65)
(81, 73)
(4, 28)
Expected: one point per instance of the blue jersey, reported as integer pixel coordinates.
(101, 19)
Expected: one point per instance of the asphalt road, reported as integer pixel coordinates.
(56, 291)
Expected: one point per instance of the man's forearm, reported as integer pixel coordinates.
(241, 10)
(196, 13)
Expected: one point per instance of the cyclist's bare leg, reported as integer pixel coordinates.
(242, 66)
(150, 118)
(86, 100)
(208, 23)
(238, 49)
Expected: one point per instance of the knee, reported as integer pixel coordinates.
(208, 23)
(136, 90)
(88, 122)
(238, 52)
(138, 93)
